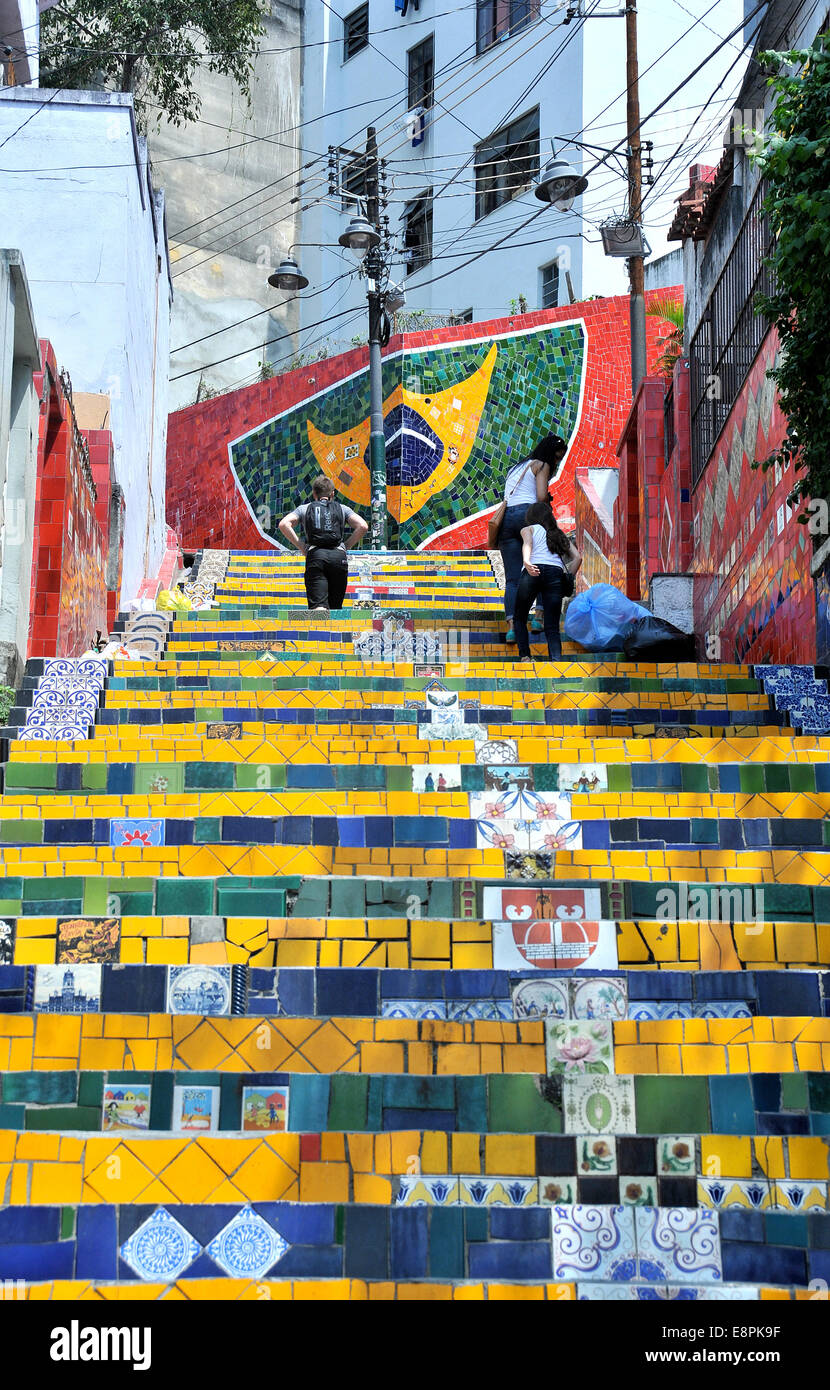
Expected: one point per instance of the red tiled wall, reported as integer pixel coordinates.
(205, 507)
(754, 589)
(68, 595)
(674, 518)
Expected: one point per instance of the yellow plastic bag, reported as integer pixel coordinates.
(173, 600)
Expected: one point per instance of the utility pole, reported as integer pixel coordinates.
(636, 265)
(374, 271)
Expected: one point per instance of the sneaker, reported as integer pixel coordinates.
(536, 624)
(511, 637)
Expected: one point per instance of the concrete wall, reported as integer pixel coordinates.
(228, 179)
(19, 358)
(475, 95)
(666, 271)
(80, 206)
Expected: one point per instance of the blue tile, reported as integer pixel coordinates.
(766, 1090)
(307, 1261)
(724, 984)
(97, 1243)
(308, 1107)
(295, 989)
(318, 778)
(347, 992)
(511, 1260)
(408, 1242)
(762, 1264)
(395, 1119)
(133, 989)
(366, 1241)
(733, 1110)
(29, 1225)
(446, 1243)
(412, 984)
(351, 831)
(787, 992)
(665, 984)
(820, 1265)
(531, 1224)
(203, 1222)
(46, 1261)
(737, 1223)
(298, 1224)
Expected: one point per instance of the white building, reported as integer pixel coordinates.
(19, 360)
(465, 101)
(80, 206)
(19, 39)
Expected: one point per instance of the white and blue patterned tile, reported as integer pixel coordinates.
(643, 1010)
(752, 1194)
(678, 1245)
(789, 1195)
(498, 1192)
(722, 1008)
(414, 1008)
(420, 1191)
(160, 1249)
(594, 1243)
(199, 989)
(247, 1247)
(479, 1010)
(144, 832)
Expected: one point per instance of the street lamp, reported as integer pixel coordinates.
(288, 275)
(359, 237)
(560, 184)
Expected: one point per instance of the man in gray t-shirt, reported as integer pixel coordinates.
(325, 543)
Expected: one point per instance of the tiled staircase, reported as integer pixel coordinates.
(345, 959)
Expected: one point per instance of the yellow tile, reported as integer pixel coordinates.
(324, 1182)
(465, 1153)
(510, 1154)
(725, 1156)
(56, 1182)
(808, 1157)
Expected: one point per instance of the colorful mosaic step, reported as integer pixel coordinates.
(341, 959)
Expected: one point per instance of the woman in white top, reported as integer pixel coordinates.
(546, 554)
(526, 483)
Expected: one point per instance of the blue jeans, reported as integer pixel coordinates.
(510, 545)
(548, 585)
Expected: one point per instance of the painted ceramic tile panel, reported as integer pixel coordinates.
(678, 1244)
(161, 1249)
(7, 935)
(583, 777)
(596, 1243)
(599, 998)
(143, 833)
(541, 999)
(265, 1109)
(675, 1155)
(554, 945)
(515, 904)
(67, 989)
(196, 1109)
(579, 1047)
(596, 1153)
(126, 1106)
(84, 940)
(199, 989)
(456, 416)
(599, 1104)
(438, 778)
(247, 1247)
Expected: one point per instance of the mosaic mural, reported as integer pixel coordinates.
(456, 416)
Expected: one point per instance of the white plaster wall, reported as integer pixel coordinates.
(78, 205)
(471, 104)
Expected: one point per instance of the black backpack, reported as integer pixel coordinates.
(324, 524)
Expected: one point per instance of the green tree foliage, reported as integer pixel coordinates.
(669, 311)
(150, 48)
(794, 160)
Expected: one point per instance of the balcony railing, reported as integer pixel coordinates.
(730, 333)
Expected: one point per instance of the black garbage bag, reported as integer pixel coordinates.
(653, 639)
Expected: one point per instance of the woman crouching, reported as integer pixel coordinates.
(547, 555)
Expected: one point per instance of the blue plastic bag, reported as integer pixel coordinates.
(598, 618)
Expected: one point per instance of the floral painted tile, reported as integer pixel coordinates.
(247, 1247)
(678, 1244)
(161, 1249)
(753, 1194)
(599, 997)
(675, 1155)
(541, 999)
(594, 1243)
(638, 1192)
(144, 833)
(557, 1192)
(576, 1047)
(599, 1104)
(596, 1153)
(427, 1192)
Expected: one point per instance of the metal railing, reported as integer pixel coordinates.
(730, 333)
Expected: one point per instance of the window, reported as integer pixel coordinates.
(550, 285)
(353, 184)
(466, 316)
(355, 32)
(420, 65)
(507, 163)
(417, 237)
(498, 19)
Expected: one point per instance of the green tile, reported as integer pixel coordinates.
(752, 778)
(67, 1223)
(210, 775)
(40, 1087)
(308, 1110)
(348, 899)
(515, 1106)
(619, 777)
(777, 778)
(90, 1087)
(253, 902)
(12, 1116)
(786, 901)
(446, 1243)
(802, 777)
(34, 775)
(207, 830)
(347, 1102)
(671, 1104)
(47, 890)
(786, 1228)
(694, 778)
(260, 777)
(399, 779)
(150, 777)
(96, 897)
(230, 1102)
(475, 1224)
(64, 1117)
(185, 897)
(94, 777)
(794, 1090)
(136, 904)
(704, 831)
(818, 1082)
(161, 1100)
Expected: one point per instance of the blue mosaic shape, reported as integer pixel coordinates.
(134, 831)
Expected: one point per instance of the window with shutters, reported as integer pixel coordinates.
(507, 163)
(498, 19)
(550, 285)
(417, 237)
(355, 32)
(420, 67)
(352, 184)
